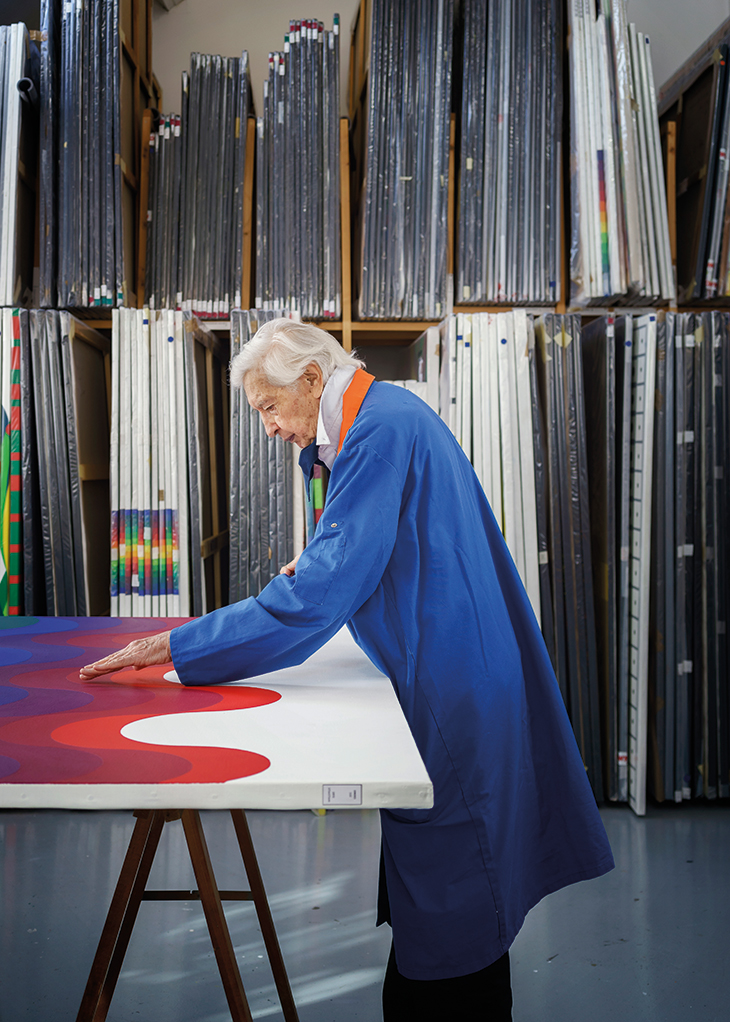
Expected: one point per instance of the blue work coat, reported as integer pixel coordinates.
(409, 555)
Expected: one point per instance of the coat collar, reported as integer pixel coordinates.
(351, 402)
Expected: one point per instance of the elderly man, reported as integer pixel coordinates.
(407, 553)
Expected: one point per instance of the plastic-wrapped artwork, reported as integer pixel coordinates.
(509, 159)
(405, 200)
(619, 236)
(298, 175)
(262, 481)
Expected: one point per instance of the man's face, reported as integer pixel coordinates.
(288, 412)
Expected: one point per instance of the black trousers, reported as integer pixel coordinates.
(484, 996)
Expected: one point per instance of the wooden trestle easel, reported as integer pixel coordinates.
(131, 892)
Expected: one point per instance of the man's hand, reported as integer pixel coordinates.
(155, 649)
(291, 567)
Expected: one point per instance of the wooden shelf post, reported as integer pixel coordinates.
(248, 183)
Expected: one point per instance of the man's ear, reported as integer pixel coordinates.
(313, 376)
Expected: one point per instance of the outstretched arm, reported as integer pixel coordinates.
(154, 649)
(298, 612)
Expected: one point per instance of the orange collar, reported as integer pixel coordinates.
(352, 399)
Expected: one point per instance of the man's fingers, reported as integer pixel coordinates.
(108, 665)
(112, 662)
(141, 653)
(290, 568)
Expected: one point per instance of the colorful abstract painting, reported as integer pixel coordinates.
(323, 733)
(55, 729)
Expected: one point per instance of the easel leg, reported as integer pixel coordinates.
(130, 892)
(211, 901)
(121, 917)
(264, 913)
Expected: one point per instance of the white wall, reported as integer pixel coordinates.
(229, 26)
(676, 29)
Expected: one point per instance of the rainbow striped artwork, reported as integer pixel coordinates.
(603, 220)
(619, 245)
(149, 465)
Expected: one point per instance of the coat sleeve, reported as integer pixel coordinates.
(293, 616)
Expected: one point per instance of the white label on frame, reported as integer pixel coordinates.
(342, 794)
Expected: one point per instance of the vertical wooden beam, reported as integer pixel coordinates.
(345, 263)
(248, 180)
(137, 84)
(143, 198)
(148, 55)
(135, 4)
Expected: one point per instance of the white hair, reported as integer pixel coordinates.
(282, 349)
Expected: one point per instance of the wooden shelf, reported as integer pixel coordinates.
(97, 322)
(686, 127)
(388, 326)
(137, 44)
(401, 331)
(371, 332)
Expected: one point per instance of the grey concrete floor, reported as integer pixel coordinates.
(647, 943)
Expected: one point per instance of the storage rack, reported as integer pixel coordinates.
(140, 91)
(686, 132)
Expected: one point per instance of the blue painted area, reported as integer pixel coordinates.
(46, 625)
(38, 702)
(42, 653)
(8, 766)
(11, 694)
(40, 625)
(13, 655)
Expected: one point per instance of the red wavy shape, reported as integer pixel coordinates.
(126, 761)
(86, 746)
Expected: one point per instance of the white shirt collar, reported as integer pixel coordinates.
(329, 420)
